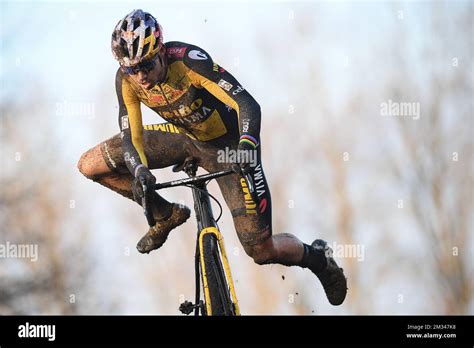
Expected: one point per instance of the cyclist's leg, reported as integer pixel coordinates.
(104, 163)
(253, 223)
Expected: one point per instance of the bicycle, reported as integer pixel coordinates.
(211, 263)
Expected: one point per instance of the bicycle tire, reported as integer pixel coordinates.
(221, 303)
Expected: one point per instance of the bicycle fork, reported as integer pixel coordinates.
(207, 226)
(225, 263)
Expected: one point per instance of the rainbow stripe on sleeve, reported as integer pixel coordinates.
(249, 140)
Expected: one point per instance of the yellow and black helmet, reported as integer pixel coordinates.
(136, 38)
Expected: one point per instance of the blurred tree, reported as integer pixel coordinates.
(436, 163)
(35, 210)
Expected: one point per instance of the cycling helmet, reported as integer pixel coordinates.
(136, 38)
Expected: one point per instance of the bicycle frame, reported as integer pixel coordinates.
(206, 225)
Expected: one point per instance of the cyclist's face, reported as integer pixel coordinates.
(148, 78)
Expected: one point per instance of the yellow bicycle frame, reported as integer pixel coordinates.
(225, 262)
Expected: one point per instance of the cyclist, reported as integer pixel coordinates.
(207, 110)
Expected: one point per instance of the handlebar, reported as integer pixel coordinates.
(194, 180)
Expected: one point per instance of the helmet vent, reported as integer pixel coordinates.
(135, 48)
(145, 48)
(147, 32)
(136, 23)
(123, 44)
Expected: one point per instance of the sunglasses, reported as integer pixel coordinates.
(143, 66)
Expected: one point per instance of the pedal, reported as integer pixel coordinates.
(187, 307)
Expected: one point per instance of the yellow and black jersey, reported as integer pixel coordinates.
(199, 97)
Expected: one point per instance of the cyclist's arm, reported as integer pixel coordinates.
(220, 83)
(130, 122)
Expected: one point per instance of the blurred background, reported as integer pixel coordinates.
(391, 191)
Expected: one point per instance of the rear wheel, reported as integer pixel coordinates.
(220, 300)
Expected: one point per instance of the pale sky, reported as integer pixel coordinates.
(61, 50)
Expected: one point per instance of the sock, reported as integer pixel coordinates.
(313, 259)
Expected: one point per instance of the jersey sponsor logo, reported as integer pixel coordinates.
(224, 85)
(238, 90)
(124, 121)
(262, 206)
(106, 148)
(245, 125)
(188, 115)
(197, 55)
(177, 52)
(185, 110)
(155, 98)
(163, 127)
(197, 117)
(130, 159)
(176, 86)
(250, 206)
(172, 94)
(217, 68)
(259, 182)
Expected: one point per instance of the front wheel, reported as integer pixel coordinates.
(217, 297)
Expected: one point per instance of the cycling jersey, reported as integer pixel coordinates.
(198, 97)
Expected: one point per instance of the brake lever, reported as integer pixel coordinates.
(249, 180)
(250, 183)
(252, 190)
